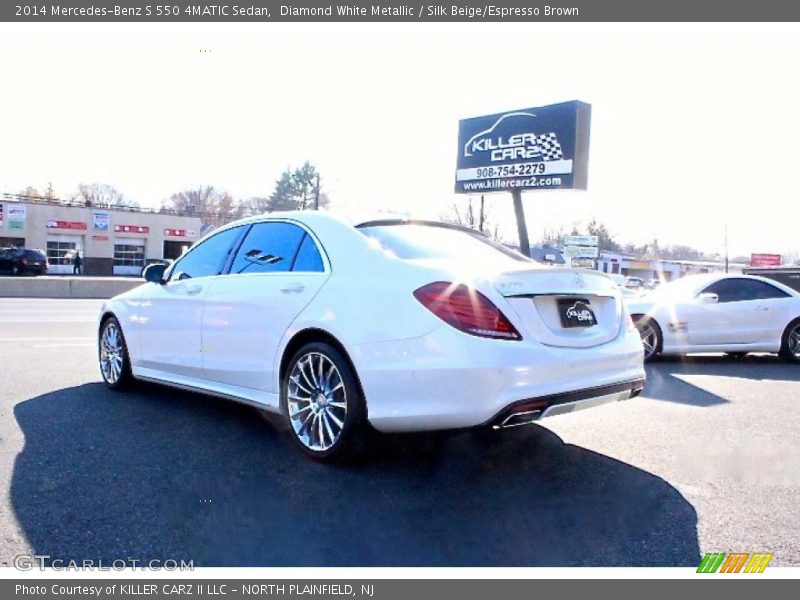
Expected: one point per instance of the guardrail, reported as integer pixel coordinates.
(66, 287)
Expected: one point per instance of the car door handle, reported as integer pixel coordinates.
(762, 308)
(293, 288)
(193, 290)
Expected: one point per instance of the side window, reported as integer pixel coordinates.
(765, 291)
(722, 289)
(308, 258)
(207, 258)
(268, 248)
(743, 290)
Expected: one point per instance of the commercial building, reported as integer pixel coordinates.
(110, 241)
(630, 266)
(664, 269)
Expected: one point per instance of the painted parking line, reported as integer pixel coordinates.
(17, 340)
(67, 345)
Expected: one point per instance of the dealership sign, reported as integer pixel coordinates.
(100, 221)
(534, 148)
(179, 233)
(16, 215)
(65, 225)
(579, 250)
(765, 260)
(17, 212)
(131, 229)
(581, 240)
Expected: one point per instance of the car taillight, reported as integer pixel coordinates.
(467, 310)
(24, 261)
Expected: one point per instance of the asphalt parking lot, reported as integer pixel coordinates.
(708, 459)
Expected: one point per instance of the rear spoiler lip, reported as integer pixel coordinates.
(548, 269)
(601, 293)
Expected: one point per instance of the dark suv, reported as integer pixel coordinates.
(19, 261)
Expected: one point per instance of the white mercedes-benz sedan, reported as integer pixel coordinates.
(735, 314)
(401, 325)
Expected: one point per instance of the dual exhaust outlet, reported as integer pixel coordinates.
(527, 414)
(521, 418)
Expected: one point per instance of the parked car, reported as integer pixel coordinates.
(736, 314)
(634, 283)
(23, 261)
(395, 324)
(652, 284)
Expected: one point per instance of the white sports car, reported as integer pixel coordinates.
(403, 325)
(736, 314)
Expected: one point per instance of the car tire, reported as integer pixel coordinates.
(651, 336)
(790, 342)
(112, 354)
(323, 404)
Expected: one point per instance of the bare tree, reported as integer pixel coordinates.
(31, 193)
(102, 195)
(552, 237)
(464, 216)
(468, 216)
(255, 205)
(214, 207)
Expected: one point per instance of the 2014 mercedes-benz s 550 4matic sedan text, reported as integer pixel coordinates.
(396, 324)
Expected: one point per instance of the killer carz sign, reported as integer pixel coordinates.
(527, 149)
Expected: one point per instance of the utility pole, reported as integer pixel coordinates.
(481, 218)
(726, 247)
(522, 228)
(316, 194)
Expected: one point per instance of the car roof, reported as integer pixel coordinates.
(425, 222)
(311, 217)
(703, 279)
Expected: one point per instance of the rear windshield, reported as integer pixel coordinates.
(410, 241)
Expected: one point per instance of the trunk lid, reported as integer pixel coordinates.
(564, 307)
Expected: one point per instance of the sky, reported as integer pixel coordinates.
(693, 126)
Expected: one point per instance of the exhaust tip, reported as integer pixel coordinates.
(520, 418)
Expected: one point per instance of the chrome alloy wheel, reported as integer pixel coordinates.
(649, 339)
(111, 353)
(317, 401)
(793, 341)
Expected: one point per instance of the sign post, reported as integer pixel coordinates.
(545, 148)
(522, 227)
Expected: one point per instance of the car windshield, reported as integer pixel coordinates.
(414, 241)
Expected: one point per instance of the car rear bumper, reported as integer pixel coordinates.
(447, 380)
(533, 409)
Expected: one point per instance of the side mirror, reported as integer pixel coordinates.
(155, 273)
(708, 298)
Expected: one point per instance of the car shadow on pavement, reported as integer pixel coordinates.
(665, 375)
(164, 474)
